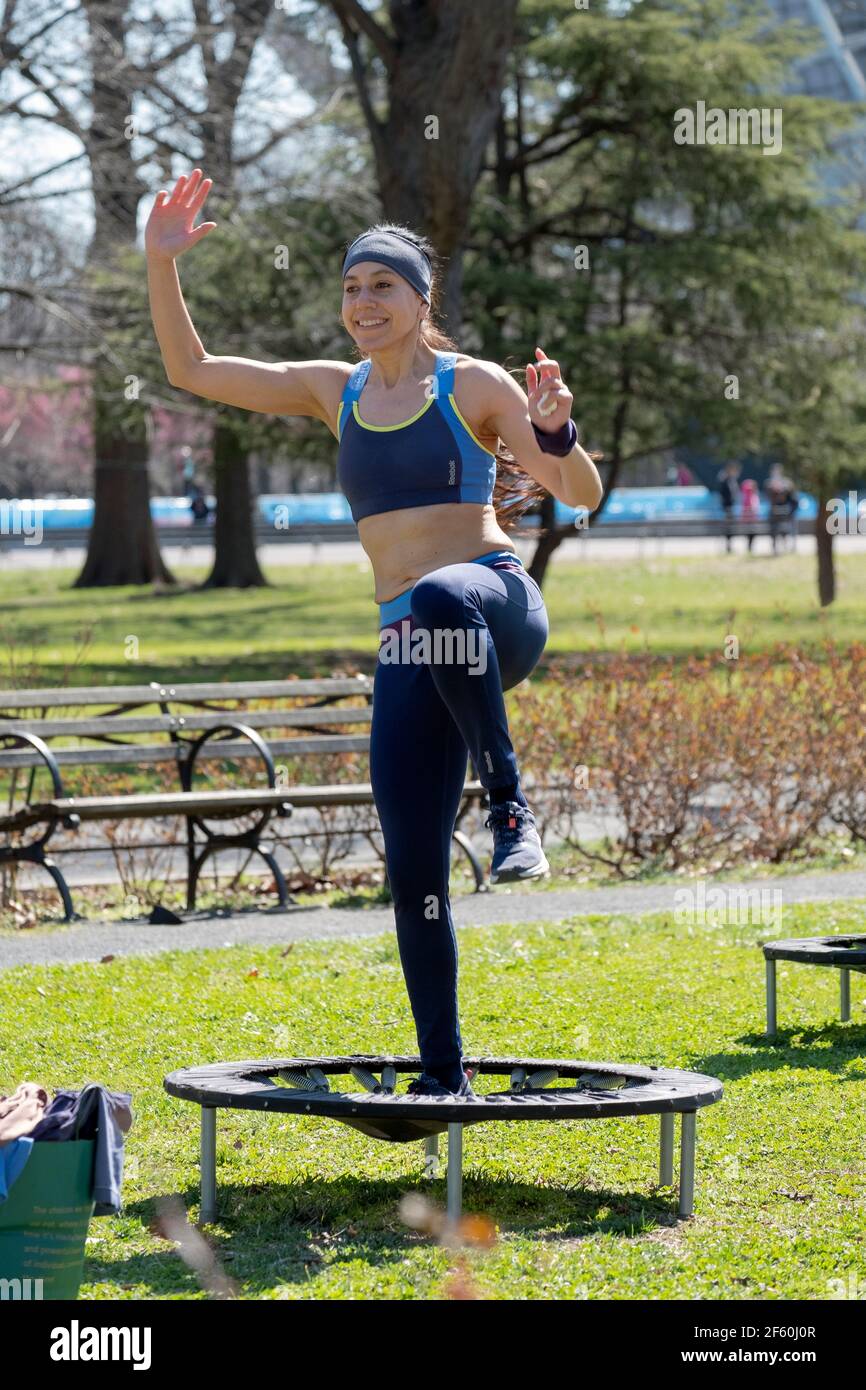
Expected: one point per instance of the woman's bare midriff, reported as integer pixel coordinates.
(405, 545)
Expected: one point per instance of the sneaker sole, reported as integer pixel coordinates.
(513, 876)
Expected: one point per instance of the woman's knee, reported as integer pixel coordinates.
(418, 887)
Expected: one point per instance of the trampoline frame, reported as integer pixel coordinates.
(178, 1085)
(826, 951)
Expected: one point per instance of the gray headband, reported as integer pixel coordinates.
(396, 251)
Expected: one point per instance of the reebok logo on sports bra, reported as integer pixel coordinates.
(432, 457)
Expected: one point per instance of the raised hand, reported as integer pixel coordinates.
(550, 400)
(169, 231)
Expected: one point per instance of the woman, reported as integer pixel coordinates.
(418, 429)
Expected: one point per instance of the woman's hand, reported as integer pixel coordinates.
(550, 400)
(169, 231)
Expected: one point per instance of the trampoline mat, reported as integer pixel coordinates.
(847, 951)
(572, 1090)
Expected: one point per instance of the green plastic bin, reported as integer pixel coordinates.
(44, 1221)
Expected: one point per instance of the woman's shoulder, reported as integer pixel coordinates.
(476, 382)
(328, 380)
(477, 374)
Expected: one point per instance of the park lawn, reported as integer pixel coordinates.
(310, 1208)
(321, 618)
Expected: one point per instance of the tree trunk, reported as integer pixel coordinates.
(122, 545)
(235, 564)
(446, 70)
(824, 551)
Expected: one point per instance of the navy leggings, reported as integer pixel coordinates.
(491, 625)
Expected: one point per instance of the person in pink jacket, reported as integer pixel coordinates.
(749, 506)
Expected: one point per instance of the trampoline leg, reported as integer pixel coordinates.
(845, 995)
(455, 1171)
(431, 1156)
(666, 1151)
(208, 1164)
(687, 1164)
(771, 997)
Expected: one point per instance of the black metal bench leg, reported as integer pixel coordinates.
(196, 861)
(62, 888)
(468, 848)
(192, 867)
(286, 899)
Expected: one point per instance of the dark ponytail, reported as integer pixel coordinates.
(514, 491)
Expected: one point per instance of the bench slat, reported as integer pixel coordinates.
(114, 808)
(169, 803)
(178, 692)
(162, 723)
(167, 753)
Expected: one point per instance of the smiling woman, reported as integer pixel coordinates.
(417, 459)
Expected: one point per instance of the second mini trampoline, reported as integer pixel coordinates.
(535, 1089)
(846, 953)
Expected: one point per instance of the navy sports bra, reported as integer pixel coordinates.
(432, 457)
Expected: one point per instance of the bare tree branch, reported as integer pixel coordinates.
(374, 125)
(40, 174)
(353, 16)
(13, 53)
(58, 311)
(293, 126)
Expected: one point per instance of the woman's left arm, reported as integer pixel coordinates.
(509, 412)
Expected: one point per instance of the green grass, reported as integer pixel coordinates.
(321, 618)
(310, 1208)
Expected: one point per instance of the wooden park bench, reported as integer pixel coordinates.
(45, 732)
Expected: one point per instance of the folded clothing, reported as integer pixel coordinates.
(22, 1110)
(14, 1154)
(93, 1113)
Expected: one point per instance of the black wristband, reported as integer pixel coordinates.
(561, 442)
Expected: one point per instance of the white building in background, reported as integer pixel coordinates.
(838, 68)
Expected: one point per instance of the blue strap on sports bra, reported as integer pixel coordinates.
(441, 386)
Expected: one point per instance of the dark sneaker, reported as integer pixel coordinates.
(517, 851)
(426, 1085)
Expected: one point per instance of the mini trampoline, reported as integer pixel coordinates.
(846, 953)
(532, 1089)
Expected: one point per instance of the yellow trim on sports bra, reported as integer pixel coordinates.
(473, 436)
(382, 429)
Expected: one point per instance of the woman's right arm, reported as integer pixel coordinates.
(274, 388)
